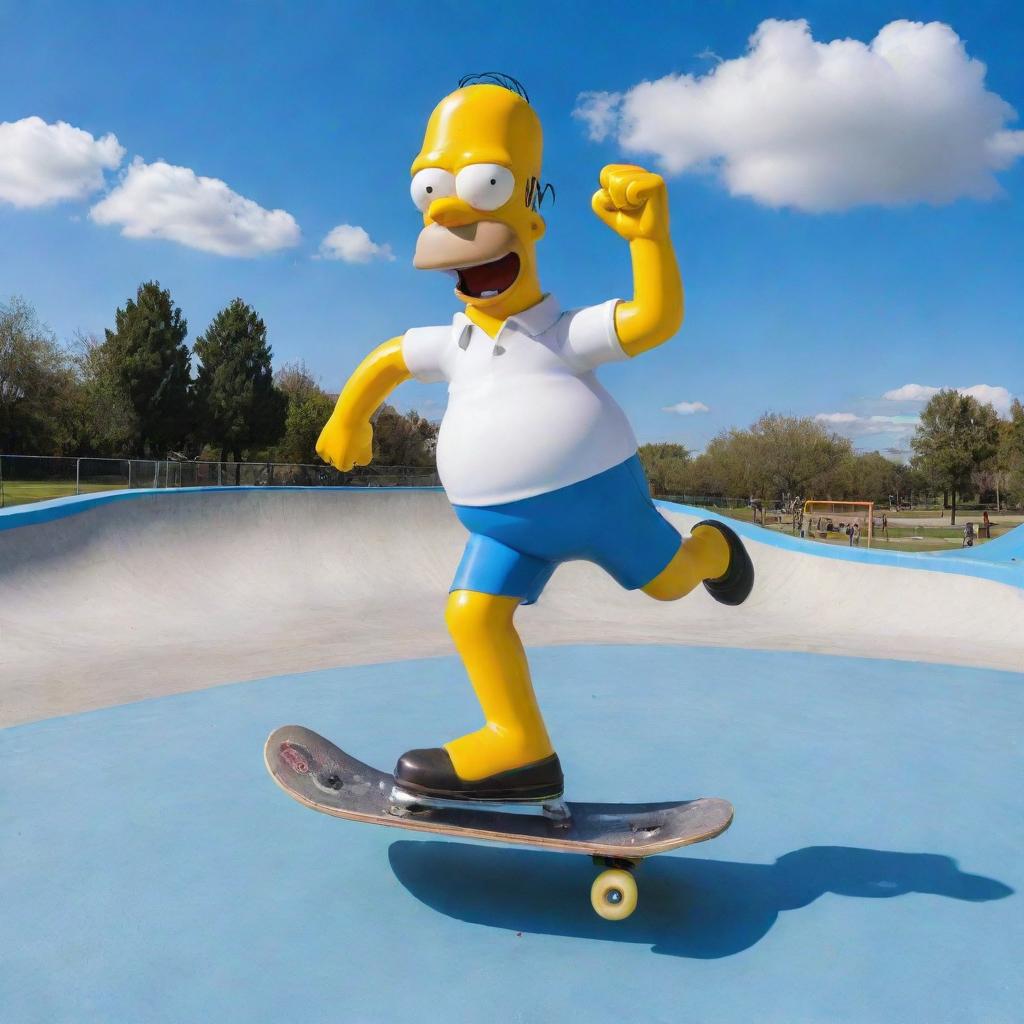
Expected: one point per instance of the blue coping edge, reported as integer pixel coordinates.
(34, 513)
(1008, 548)
(1006, 567)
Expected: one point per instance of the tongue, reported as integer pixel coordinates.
(489, 277)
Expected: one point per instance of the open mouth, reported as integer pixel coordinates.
(486, 280)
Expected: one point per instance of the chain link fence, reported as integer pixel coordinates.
(25, 478)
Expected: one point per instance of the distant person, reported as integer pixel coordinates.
(856, 534)
(849, 533)
(968, 541)
(986, 525)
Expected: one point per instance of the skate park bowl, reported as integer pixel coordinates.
(862, 711)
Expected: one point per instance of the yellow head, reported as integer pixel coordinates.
(473, 180)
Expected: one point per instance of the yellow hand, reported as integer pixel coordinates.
(633, 202)
(343, 445)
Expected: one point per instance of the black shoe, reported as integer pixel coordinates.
(430, 772)
(735, 584)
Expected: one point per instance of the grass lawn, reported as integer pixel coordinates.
(930, 532)
(916, 513)
(20, 492)
(744, 514)
(905, 538)
(925, 543)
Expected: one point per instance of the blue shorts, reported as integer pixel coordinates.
(609, 519)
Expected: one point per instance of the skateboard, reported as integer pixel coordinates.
(315, 772)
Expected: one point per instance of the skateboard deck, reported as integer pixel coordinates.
(320, 775)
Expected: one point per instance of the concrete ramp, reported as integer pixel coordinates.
(875, 852)
(117, 597)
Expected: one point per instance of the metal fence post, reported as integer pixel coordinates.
(78, 475)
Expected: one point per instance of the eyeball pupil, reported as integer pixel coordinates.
(494, 181)
(430, 188)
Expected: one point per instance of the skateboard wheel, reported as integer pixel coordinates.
(613, 894)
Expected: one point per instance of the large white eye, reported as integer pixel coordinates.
(485, 186)
(429, 184)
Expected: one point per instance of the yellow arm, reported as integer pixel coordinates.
(656, 310)
(347, 437)
(634, 203)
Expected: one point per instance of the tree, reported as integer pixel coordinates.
(873, 477)
(150, 362)
(403, 440)
(778, 457)
(37, 385)
(309, 408)
(238, 405)
(956, 435)
(667, 467)
(1011, 452)
(990, 479)
(108, 422)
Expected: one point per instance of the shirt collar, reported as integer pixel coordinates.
(533, 321)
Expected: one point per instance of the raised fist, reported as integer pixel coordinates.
(632, 202)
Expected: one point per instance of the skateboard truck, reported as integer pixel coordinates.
(403, 804)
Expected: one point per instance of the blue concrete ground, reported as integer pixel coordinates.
(151, 872)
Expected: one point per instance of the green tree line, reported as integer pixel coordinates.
(961, 449)
(142, 392)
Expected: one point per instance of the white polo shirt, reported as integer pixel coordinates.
(526, 414)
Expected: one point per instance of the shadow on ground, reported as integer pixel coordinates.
(702, 909)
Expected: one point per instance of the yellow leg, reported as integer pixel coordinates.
(702, 556)
(514, 733)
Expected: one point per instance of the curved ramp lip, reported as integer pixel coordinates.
(1008, 570)
(999, 570)
(34, 513)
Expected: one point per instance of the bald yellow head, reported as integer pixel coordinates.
(483, 123)
(473, 179)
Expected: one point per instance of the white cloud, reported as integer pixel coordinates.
(998, 397)
(853, 425)
(911, 393)
(837, 417)
(686, 408)
(825, 126)
(159, 200)
(600, 112)
(44, 163)
(351, 244)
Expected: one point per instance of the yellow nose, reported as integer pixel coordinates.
(450, 212)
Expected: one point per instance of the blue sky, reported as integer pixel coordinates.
(841, 235)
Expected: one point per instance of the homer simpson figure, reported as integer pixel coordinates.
(539, 462)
